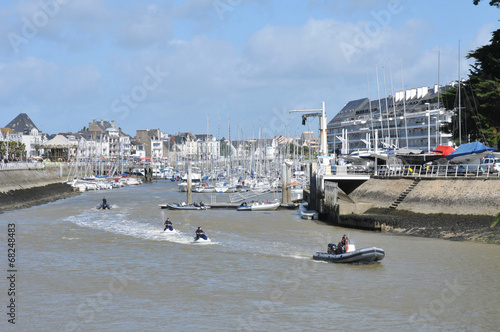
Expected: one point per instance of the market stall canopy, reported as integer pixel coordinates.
(60, 142)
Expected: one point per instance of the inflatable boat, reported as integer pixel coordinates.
(353, 255)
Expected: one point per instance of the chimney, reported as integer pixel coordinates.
(413, 93)
(102, 122)
(425, 90)
(436, 88)
(112, 123)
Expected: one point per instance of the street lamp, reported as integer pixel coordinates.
(428, 114)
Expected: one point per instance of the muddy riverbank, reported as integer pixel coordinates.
(457, 227)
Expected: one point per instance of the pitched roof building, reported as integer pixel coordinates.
(21, 124)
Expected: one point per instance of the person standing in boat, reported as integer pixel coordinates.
(345, 243)
(168, 224)
(199, 233)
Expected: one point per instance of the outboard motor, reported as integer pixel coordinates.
(331, 248)
(196, 204)
(202, 204)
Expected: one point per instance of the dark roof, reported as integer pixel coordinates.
(360, 108)
(204, 136)
(21, 124)
(90, 135)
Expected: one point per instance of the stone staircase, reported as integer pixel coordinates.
(403, 195)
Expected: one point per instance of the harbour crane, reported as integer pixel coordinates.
(322, 125)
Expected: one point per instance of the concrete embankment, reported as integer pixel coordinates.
(25, 188)
(477, 196)
(457, 209)
(28, 178)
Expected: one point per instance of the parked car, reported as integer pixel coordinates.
(491, 164)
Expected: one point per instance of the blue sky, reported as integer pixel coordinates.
(174, 64)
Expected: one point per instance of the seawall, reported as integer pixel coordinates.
(455, 209)
(25, 188)
(476, 196)
(29, 178)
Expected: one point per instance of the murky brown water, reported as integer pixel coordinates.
(82, 269)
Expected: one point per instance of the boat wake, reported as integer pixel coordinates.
(121, 224)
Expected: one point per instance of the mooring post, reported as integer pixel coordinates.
(189, 191)
(289, 185)
(284, 183)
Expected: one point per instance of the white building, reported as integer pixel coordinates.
(411, 119)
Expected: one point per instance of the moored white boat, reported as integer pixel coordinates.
(257, 206)
(309, 214)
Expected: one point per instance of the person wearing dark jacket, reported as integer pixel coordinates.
(168, 224)
(199, 233)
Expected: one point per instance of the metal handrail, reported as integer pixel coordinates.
(423, 171)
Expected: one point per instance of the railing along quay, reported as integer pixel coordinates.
(30, 165)
(437, 171)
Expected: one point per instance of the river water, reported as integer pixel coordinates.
(82, 269)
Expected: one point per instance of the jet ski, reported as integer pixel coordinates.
(352, 255)
(103, 206)
(169, 229)
(201, 238)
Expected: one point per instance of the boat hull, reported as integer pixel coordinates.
(364, 255)
(309, 215)
(259, 207)
(177, 206)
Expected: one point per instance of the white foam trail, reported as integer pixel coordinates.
(119, 224)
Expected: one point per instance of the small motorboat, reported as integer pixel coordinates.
(309, 214)
(352, 255)
(184, 206)
(257, 206)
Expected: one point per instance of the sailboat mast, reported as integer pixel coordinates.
(459, 100)
(394, 107)
(404, 103)
(387, 108)
(370, 107)
(379, 103)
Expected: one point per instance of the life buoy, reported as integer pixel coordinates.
(346, 245)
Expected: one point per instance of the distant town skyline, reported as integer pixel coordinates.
(198, 65)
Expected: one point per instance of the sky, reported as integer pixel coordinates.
(224, 67)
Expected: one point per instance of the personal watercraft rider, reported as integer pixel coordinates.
(105, 203)
(168, 224)
(199, 232)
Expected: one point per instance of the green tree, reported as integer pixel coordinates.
(224, 147)
(484, 80)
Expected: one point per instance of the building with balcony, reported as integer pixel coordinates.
(411, 119)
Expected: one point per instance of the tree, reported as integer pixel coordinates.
(469, 120)
(224, 147)
(484, 80)
(495, 3)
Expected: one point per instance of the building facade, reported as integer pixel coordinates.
(411, 119)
